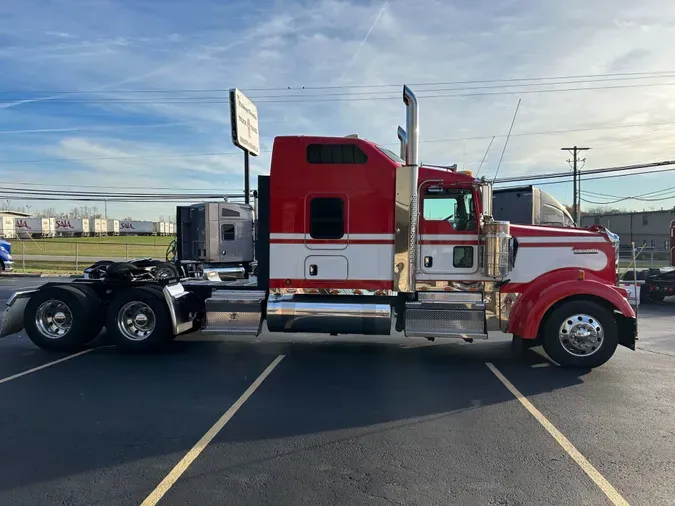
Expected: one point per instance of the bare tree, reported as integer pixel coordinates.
(47, 212)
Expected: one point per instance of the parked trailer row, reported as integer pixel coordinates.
(26, 228)
(146, 228)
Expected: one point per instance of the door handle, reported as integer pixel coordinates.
(313, 270)
(428, 261)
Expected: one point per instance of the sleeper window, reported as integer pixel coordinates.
(227, 232)
(326, 218)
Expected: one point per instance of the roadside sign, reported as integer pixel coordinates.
(244, 120)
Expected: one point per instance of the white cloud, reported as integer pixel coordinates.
(213, 46)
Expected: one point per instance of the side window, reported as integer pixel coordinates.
(229, 213)
(452, 205)
(645, 219)
(336, 153)
(326, 218)
(462, 257)
(227, 232)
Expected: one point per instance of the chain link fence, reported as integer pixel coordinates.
(72, 256)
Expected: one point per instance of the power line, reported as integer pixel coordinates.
(652, 193)
(555, 175)
(129, 157)
(565, 181)
(646, 75)
(75, 185)
(348, 94)
(93, 199)
(109, 195)
(430, 141)
(318, 98)
(18, 192)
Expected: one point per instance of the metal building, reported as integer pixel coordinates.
(645, 228)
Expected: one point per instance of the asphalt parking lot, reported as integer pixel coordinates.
(337, 421)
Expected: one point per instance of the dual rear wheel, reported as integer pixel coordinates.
(66, 318)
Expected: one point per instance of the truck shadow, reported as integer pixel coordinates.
(134, 408)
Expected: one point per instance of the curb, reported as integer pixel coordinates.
(40, 275)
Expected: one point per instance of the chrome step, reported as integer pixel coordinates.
(450, 300)
(450, 296)
(445, 320)
(234, 312)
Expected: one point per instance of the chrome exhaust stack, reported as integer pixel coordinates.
(403, 137)
(411, 126)
(405, 233)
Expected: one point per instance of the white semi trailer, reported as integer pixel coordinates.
(7, 229)
(72, 227)
(27, 228)
(112, 227)
(136, 227)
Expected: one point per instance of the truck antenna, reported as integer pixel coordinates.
(485, 156)
(506, 142)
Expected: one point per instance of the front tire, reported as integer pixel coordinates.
(580, 334)
(59, 318)
(139, 321)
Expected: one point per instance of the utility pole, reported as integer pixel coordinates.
(576, 197)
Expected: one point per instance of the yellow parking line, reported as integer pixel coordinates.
(190, 456)
(611, 493)
(44, 366)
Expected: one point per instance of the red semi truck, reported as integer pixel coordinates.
(353, 239)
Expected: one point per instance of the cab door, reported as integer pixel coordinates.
(326, 237)
(448, 230)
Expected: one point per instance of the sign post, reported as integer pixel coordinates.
(244, 122)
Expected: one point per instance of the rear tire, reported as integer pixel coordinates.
(165, 270)
(138, 320)
(59, 318)
(580, 334)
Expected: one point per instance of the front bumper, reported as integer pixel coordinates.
(628, 330)
(9, 265)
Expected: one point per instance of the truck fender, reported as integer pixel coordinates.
(532, 305)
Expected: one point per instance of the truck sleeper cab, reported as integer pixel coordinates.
(353, 239)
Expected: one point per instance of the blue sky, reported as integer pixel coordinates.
(102, 49)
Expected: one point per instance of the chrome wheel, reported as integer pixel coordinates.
(53, 319)
(136, 320)
(164, 273)
(581, 335)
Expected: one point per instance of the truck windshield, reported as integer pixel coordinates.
(390, 154)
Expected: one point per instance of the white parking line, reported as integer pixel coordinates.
(190, 456)
(44, 366)
(611, 493)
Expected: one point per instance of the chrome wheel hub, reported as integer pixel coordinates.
(136, 320)
(581, 335)
(53, 319)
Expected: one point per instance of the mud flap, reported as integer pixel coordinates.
(628, 330)
(12, 317)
